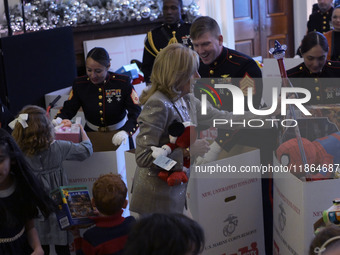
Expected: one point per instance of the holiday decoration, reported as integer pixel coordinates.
(45, 14)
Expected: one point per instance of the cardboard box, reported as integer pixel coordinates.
(73, 206)
(297, 206)
(106, 158)
(228, 205)
(130, 163)
(68, 133)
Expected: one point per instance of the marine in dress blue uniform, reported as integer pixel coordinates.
(240, 70)
(324, 86)
(224, 65)
(159, 38)
(320, 21)
(105, 105)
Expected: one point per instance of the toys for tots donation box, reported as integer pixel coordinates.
(228, 206)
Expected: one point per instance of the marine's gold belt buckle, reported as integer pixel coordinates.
(103, 129)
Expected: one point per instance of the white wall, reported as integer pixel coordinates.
(222, 12)
(302, 10)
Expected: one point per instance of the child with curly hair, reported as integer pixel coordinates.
(34, 133)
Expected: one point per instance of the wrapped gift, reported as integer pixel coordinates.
(73, 206)
(68, 133)
(131, 70)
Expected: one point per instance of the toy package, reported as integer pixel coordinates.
(320, 137)
(71, 133)
(73, 206)
(181, 135)
(130, 70)
(68, 133)
(332, 214)
(329, 216)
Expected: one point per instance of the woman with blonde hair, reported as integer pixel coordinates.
(168, 100)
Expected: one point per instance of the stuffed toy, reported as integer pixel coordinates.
(138, 80)
(332, 214)
(323, 156)
(181, 135)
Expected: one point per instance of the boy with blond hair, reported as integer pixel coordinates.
(110, 232)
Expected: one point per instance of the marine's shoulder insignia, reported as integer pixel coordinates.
(295, 70)
(237, 57)
(333, 64)
(152, 49)
(247, 82)
(121, 77)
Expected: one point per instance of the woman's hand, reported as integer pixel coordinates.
(199, 148)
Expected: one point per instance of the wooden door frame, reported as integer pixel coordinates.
(265, 42)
